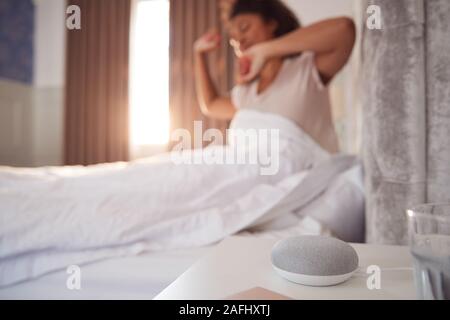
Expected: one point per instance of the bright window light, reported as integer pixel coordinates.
(149, 78)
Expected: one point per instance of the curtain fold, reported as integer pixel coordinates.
(96, 100)
(406, 126)
(437, 43)
(189, 19)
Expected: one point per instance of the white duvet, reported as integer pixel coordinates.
(54, 217)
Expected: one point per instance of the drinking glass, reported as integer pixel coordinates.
(429, 240)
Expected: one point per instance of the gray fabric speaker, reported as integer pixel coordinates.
(314, 260)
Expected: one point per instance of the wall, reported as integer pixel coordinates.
(16, 77)
(48, 93)
(31, 93)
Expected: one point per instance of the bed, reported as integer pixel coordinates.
(136, 277)
(134, 227)
(140, 277)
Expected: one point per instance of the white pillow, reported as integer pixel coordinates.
(341, 207)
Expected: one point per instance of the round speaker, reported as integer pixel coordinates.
(314, 260)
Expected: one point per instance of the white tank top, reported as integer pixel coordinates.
(298, 94)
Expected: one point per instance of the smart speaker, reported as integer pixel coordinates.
(314, 260)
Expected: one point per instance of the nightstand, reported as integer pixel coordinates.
(241, 263)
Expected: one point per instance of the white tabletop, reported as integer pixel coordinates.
(242, 263)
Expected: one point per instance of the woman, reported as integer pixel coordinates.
(289, 66)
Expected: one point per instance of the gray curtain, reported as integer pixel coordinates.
(406, 107)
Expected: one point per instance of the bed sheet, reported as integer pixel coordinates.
(140, 277)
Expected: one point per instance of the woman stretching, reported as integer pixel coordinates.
(284, 68)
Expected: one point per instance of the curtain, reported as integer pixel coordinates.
(96, 100)
(190, 19)
(406, 126)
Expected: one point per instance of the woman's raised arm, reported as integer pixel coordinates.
(211, 103)
(332, 40)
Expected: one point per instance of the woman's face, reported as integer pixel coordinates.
(249, 29)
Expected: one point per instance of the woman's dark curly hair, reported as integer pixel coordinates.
(269, 10)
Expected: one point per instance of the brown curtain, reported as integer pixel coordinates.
(189, 19)
(96, 111)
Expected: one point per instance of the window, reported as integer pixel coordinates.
(149, 75)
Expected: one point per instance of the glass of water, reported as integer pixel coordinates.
(429, 238)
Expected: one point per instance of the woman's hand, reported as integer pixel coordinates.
(252, 61)
(208, 42)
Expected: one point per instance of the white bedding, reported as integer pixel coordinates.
(54, 217)
(139, 277)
